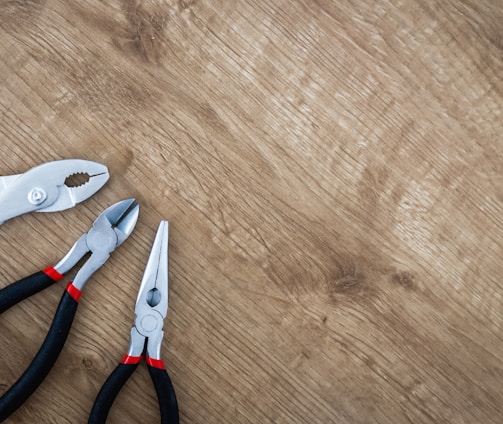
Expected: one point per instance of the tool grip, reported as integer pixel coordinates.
(43, 360)
(109, 392)
(165, 395)
(23, 289)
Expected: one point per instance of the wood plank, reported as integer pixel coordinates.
(332, 174)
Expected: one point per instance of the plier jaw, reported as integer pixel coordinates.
(109, 230)
(152, 301)
(43, 188)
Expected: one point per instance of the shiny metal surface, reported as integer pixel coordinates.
(152, 301)
(43, 188)
(109, 231)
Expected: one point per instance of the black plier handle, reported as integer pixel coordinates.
(27, 287)
(162, 383)
(48, 353)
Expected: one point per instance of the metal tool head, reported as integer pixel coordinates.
(120, 218)
(43, 188)
(110, 229)
(152, 301)
(153, 291)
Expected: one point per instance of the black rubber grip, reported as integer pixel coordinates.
(44, 359)
(23, 289)
(165, 394)
(109, 392)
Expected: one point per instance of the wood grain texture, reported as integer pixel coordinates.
(332, 174)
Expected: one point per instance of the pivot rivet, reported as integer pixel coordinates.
(37, 196)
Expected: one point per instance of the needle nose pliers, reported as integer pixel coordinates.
(146, 334)
(44, 189)
(110, 229)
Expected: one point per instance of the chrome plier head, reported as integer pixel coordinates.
(43, 188)
(152, 301)
(110, 229)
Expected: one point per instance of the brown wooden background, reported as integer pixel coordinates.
(332, 174)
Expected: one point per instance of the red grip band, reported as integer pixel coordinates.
(130, 359)
(73, 291)
(53, 274)
(156, 363)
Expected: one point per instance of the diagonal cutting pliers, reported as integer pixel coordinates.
(110, 229)
(146, 335)
(43, 188)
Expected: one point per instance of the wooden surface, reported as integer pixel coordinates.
(332, 174)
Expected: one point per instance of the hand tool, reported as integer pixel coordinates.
(109, 231)
(150, 310)
(43, 188)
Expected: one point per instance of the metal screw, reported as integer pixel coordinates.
(37, 196)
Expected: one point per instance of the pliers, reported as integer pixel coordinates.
(109, 231)
(43, 188)
(146, 334)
